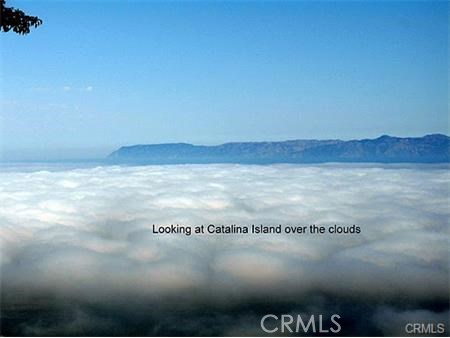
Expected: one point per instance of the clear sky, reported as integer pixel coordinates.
(100, 74)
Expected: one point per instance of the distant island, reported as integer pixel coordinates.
(385, 149)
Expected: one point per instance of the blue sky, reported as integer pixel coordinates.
(101, 74)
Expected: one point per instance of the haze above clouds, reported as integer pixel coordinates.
(77, 247)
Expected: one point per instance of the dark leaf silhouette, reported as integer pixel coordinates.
(16, 20)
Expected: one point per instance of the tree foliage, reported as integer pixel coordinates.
(16, 20)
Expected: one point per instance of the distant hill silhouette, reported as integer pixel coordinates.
(386, 149)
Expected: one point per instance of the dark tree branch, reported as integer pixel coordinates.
(16, 20)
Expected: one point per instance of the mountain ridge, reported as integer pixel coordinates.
(432, 148)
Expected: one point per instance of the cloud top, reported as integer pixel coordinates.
(84, 236)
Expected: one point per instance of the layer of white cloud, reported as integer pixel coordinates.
(86, 233)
